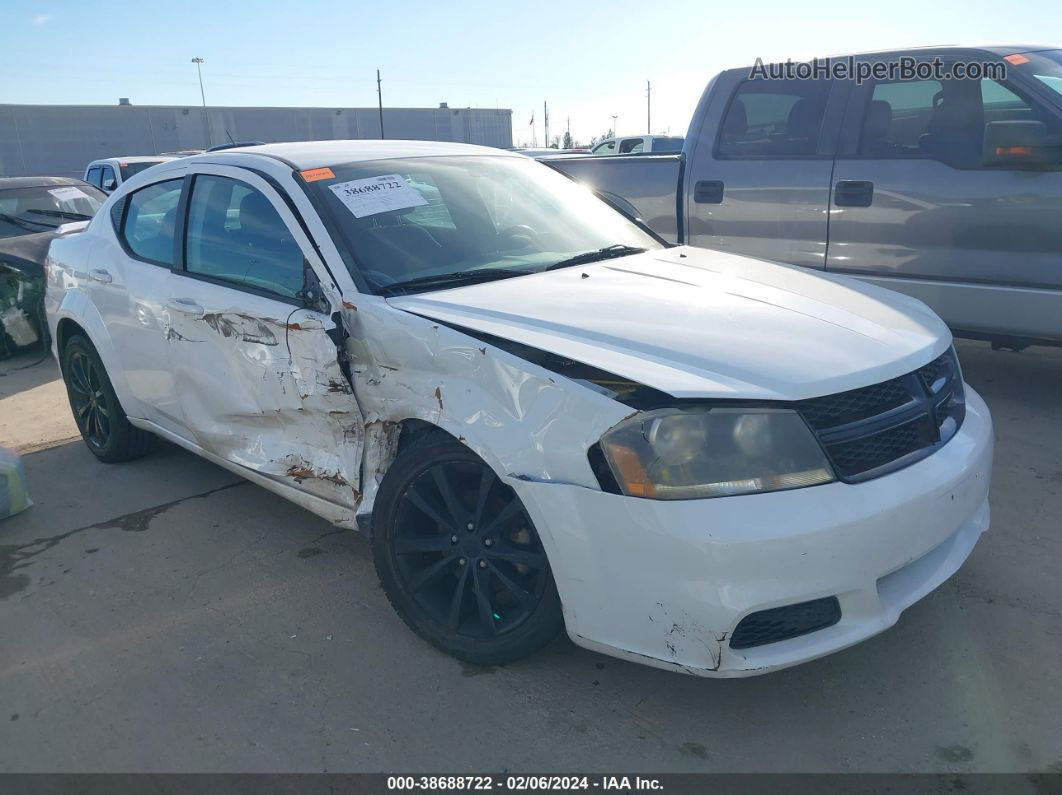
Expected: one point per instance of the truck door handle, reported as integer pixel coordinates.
(708, 191)
(853, 193)
(186, 305)
(100, 275)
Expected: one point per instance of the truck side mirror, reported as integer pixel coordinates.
(1017, 144)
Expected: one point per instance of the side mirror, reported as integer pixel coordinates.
(109, 185)
(1016, 144)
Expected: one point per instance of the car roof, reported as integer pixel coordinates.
(316, 154)
(38, 182)
(135, 159)
(987, 49)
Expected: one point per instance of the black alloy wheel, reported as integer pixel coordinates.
(460, 558)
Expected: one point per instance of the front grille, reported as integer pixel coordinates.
(877, 429)
(783, 623)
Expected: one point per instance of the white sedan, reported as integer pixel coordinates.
(546, 418)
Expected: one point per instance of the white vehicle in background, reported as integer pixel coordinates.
(544, 416)
(638, 144)
(110, 172)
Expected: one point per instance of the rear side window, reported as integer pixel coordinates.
(235, 235)
(107, 178)
(774, 118)
(668, 144)
(631, 146)
(150, 217)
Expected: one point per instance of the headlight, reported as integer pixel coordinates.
(686, 454)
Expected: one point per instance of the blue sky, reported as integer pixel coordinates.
(589, 60)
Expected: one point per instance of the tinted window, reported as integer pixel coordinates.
(774, 118)
(667, 144)
(128, 169)
(236, 235)
(107, 178)
(150, 218)
(94, 176)
(942, 120)
(631, 146)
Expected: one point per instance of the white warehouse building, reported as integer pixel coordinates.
(59, 140)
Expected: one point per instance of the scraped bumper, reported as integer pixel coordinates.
(667, 583)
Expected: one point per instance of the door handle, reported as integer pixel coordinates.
(100, 275)
(853, 193)
(186, 305)
(708, 191)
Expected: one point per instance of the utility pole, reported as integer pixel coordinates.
(379, 97)
(648, 108)
(614, 133)
(202, 95)
(545, 121)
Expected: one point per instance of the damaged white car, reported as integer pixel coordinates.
(547, 418)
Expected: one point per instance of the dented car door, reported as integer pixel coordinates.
(257, 373)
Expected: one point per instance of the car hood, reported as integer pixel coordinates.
(697, 323)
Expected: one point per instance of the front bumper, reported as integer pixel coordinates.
(666, 583)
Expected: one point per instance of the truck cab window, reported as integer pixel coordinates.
(774, 118)
(944, 120)
(631, 146)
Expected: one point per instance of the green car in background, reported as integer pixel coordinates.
(32, 210)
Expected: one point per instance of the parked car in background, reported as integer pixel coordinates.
(546, 417)
(637, 144)
(546, 151)
(947, 190)
(110, 172)
(33, 210)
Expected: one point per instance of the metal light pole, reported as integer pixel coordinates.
(202, 94)
(648, 108)
(199, 68)
(379, 97)
(614, 133)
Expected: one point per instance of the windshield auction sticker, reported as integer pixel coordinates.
(67, 194)
(364, 197)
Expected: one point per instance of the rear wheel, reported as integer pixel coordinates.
(459, 557)
(97, 412)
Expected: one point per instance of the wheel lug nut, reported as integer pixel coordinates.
(453, 539)
(483, 564)
(470, 526)
(488, 542)
(460, 561)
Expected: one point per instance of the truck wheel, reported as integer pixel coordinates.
(458, 556)
(97, 412)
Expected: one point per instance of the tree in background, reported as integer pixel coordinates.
(598, 139)
(567, 143)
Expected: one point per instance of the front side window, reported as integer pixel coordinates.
(606, 148)
(415, 218)
(236, 235)
(25, 211)
(774, 118)
(150, 218)
(943, 120)
(93, 176)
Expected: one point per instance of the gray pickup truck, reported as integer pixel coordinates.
(947, 189)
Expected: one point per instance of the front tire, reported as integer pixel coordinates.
(98, 414)
(459, 558)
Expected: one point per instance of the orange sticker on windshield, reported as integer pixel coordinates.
(1016, 59)
(317, 174)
